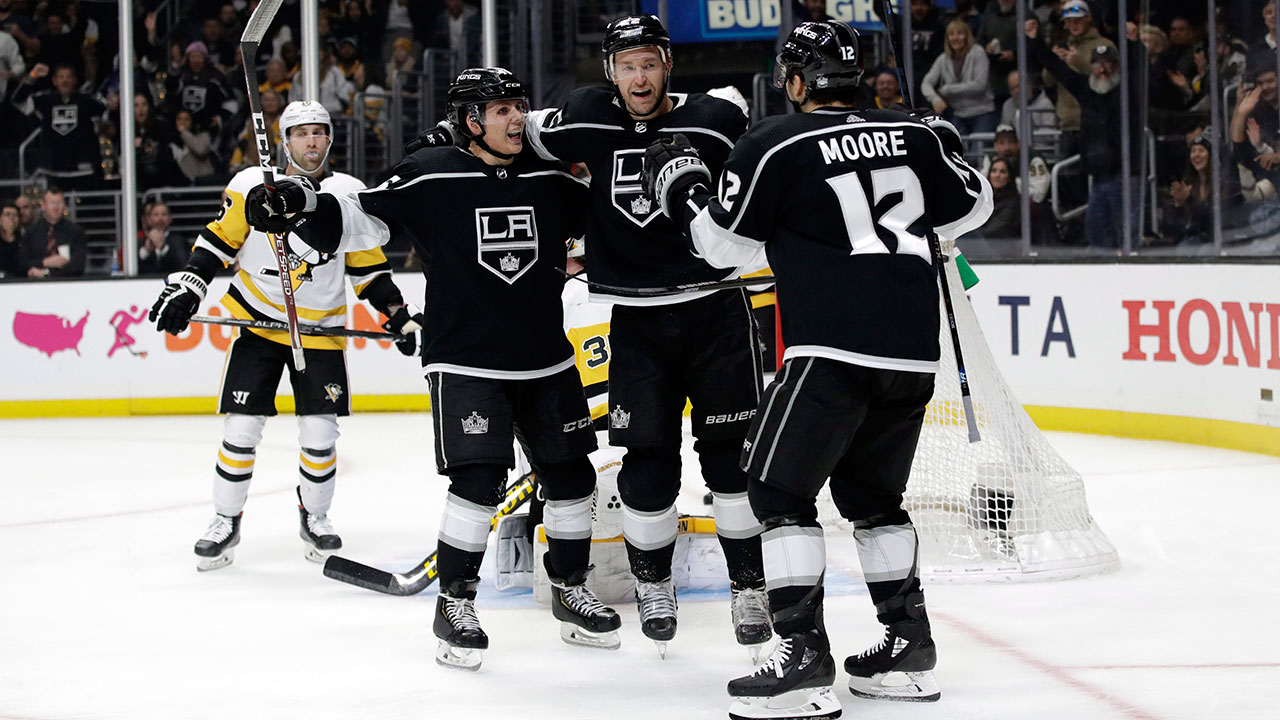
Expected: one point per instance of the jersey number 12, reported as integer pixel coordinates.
(896, 218)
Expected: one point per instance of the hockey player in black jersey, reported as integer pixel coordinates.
(700, 346)
(494, 219)
(842, 203)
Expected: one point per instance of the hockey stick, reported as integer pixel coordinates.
(303, 329)
(424, 573)
(673, 289)
(935, 247)
(254, 31)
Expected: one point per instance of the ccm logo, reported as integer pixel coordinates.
(580, 424)
(730, 417)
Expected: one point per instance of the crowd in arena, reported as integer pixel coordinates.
(192, 121)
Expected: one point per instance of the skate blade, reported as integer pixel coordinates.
(574, 635)
(661, 645)
(219, 561)
(806, 704)
(900, 686)
(756, 651)
(316, 555)
(458, 658)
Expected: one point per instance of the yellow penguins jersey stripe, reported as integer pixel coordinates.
(304, 313)
(233, 463)
(765, 299)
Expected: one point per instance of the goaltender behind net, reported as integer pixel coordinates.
(843, 204)
(256, 358)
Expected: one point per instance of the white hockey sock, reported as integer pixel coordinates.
(794, 556)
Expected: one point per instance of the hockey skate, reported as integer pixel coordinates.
(899, 667)
(317, 533)
(217, 548)
(751, 626)
(584, 620)
(462, 641)
(657, 603)
(794, 682)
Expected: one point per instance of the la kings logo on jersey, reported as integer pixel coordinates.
(628, 195)
(507, 240)
(194, 97)
(65, 118)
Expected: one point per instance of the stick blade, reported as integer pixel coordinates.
(260, 20)
(370, 578)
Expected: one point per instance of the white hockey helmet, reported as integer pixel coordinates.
(304, 112)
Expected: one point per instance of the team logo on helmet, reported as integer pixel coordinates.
(507, 241)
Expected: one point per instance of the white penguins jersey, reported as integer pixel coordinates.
(319, 290)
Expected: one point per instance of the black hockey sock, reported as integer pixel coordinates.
(797, 609)
(569, 556)
(454, 564)
(651, 565)
(746, 568)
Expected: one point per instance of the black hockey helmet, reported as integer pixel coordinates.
(824, 54)
(475, 88)
(634, 31)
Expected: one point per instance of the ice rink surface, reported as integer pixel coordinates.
(103, 615)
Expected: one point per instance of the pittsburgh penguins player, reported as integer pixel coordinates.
(257, 358)
(842, 203)
(700, 346)
(494, 218)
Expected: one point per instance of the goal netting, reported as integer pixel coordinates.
(1007, 508)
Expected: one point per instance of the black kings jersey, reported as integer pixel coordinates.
(496, 238)
(631, 243)
(842, 202)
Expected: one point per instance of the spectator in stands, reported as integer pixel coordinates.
(54, 246)
(28, 208)
(1183, 37)
(1006, 215)
(202, 90)
(60, 43)
(1254, 129)
(152, 151)
(402, 59)
(11, 61)
(1232, 60)
(1100, 98)
(85, 28)
(1081, 41)
(348, 58)
(232, 23)
(277, 79)
(1265, 48)
(356, 24)
(1186, 212)
(220, 49)
(967, 13)
(68, 146)
(11, 265)
(335, 89)
(413, 20)
(193, 149)
(1169, 91)
(957, 85)
(292, 58)
(21, 27)
(998, 35)
(887, 88)
(458, 30)
(1043, 115)
(159, 251)
(928, 37)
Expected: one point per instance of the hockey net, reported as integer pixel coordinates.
(1005, 509)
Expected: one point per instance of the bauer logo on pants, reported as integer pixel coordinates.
(507, 240)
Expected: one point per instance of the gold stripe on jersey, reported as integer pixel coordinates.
(210, 240)
(365, 265)
(765, 299)
(599, 411)
(304, 313)
(235, 303)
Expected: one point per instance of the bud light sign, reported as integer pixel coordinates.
(719, 20)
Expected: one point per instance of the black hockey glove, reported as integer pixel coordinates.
(444, 134)
(407, 322)
(946, 132)
(672, 168)
(276, 211)
(179, 300)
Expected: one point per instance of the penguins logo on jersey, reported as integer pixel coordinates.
(507, 241)
(628, 195)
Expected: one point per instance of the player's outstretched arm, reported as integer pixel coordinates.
(184, 291)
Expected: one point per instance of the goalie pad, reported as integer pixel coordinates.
(513, 557)
(698, 564)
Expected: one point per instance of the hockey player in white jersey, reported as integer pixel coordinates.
(847, 206)
(256, 358)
